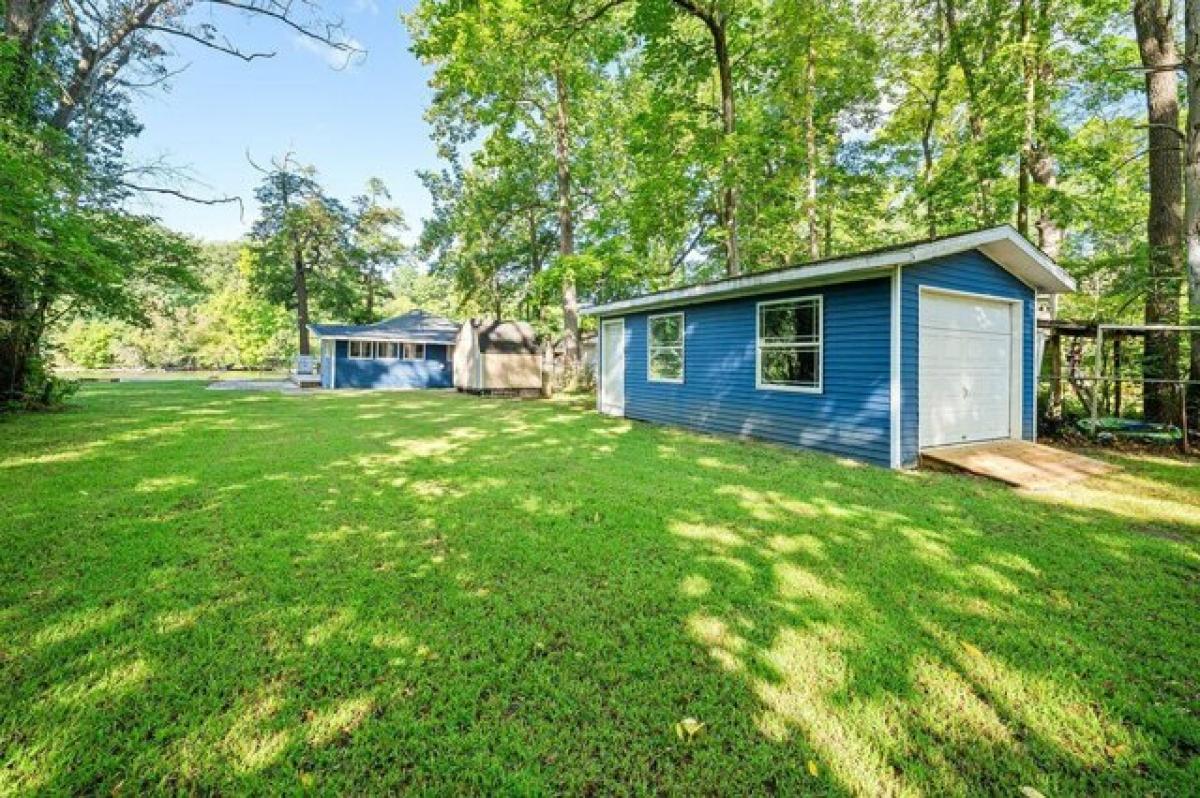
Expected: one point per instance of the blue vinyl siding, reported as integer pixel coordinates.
(849, 417)
(972, 272)
(433, 372)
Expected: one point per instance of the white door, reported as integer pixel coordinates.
(968, 351)
(612, 359)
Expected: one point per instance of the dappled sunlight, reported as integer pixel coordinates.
(807, 694)
(52, 457)
(255, 738)
(159, 484)
(723, 645)
(716, 536)
(339, 621)
(1134, 498)
(338, 720)
(104, 685)
(1053, 710)
(927, 545)
(795, 582)
(991, 579)
(385, 592)
(79, 623)
(176, 620)
(951, 704)
(768, 505)
(430, 489)
(714, 463)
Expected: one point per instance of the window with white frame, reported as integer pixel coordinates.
(789, 344)
(360, 350)
(414, 351)
(389, 350)
(665, 343)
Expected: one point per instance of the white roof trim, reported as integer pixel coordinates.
(1004, 245)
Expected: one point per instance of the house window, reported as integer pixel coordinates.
(360, 350)
(789, 345)
(414, 351)
(388, 350)
(665, 356)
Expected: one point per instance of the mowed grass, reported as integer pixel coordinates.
(346, 593)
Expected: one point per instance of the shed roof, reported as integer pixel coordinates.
(416, 325)
(506, 337)
(1003, 244)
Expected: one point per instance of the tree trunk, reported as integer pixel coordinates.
(566, 228)
(810, 152)
(1191, 175)
(1042, 168)
(300, 285)
(24, 21)
(927, 130)
(729, 203)
(1164, 226)
(975, 120)
(1029, 76)
(15, 313)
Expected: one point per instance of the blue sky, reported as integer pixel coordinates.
(361, 122)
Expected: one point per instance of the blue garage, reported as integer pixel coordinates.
(413, 350)
(874, 356)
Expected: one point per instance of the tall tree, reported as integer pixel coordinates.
(68, 68)
(1154, 21)
(302, 246)
(376, 246)
(716, 19)
(1191, 61)
(525, 76)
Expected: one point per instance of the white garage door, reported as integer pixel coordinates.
(966, 369)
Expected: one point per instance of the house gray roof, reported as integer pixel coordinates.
(1004, 245)
(506, 337)
(416, 325)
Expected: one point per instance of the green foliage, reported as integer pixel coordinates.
(919, 118)
(68, 247)
(91, 343)
(313, 255)
(411, 288)
(222, 324)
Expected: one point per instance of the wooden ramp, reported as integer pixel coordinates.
(1017, 463)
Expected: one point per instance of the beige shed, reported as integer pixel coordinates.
(497, 357)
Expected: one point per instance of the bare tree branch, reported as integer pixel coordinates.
(226, 46)
(174, 192)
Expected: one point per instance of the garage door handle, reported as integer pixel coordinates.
(966, 392)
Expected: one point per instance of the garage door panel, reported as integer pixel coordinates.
(966, 349)
(965, 314)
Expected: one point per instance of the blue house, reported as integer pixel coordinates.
(873, 356)
(414, 350)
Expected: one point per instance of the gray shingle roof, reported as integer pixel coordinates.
(506, 337)
(416, 326)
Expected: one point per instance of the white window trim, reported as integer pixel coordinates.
(350, 349)
(682, 348)
(421, 344)
(758, 382)
(399, 351)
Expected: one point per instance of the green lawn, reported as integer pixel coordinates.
(238, 592)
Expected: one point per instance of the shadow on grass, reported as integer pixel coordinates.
(386, 591)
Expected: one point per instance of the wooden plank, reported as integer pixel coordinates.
(1017, 463)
